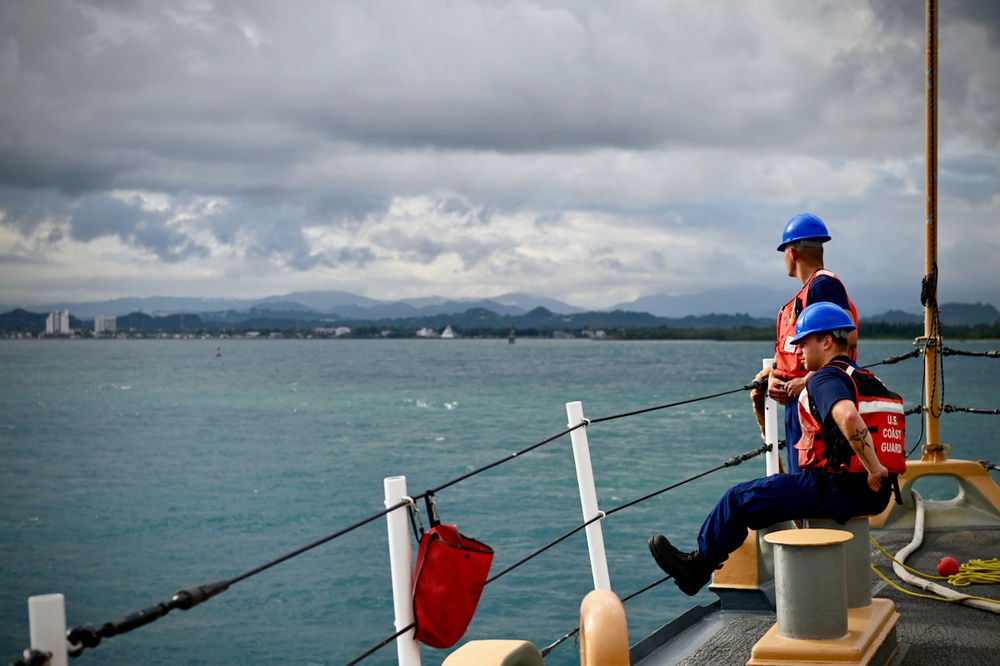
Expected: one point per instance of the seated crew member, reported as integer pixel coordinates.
(821, 337)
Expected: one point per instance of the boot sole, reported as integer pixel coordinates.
(668, 562)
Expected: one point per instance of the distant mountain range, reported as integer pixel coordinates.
(721, 308)
(343, 304)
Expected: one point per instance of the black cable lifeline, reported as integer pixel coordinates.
(531, 556)
(381, 645)
(88, 637)
(928, 298)
(916, 410)
(947, 351)
(949, 409)
(499, 462)
(320, 542)
(83, 637)
(735, 460)
(732, 462)
(599, 516)
(757, 383)
(33, 657)
(919, 409)
(547, 649)
(80, 638)
(895, 359)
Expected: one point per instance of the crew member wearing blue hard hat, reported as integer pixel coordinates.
(821, 341)
(802, 245)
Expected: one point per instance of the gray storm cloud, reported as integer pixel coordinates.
(419, 146)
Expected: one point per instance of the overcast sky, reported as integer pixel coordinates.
(592, 152)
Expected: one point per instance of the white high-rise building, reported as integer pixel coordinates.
(57, 323)
(104, 324)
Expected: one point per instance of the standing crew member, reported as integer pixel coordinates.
(802, 244)
(823, 489)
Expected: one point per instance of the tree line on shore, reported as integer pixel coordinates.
(475, 323)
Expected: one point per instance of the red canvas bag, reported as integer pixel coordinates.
(451, 572)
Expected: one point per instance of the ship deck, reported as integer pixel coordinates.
(929, 632)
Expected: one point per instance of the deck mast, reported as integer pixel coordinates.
(933, 450)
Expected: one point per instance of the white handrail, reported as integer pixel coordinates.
(588, 497)
(401, 566)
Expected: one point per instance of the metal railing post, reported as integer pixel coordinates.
(772, 460)
(401, 566)
(588, 497)
(47, 624)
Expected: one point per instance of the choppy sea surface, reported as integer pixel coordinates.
(135, 468)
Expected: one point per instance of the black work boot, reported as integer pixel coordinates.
(689, 570)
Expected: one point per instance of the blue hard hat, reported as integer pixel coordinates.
(820, 318)
(804, 227)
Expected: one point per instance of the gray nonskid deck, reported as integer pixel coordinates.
(929, 632)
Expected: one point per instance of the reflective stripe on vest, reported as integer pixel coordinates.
(787, 365)
(883, 414)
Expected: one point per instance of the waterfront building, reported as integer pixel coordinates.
(105, 325)
(57, 323)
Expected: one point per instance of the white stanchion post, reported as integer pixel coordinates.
(47, 624)
(773, 458)
(588, 497)
(401, 566)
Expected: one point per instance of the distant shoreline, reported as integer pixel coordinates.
(959, 333)
(472, 323)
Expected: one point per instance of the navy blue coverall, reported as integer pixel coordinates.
(783, 497)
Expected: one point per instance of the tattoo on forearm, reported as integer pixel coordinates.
(859, 437)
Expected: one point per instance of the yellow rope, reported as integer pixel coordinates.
(979, 572)
(910, 569)
(972, 572)
(922, 596)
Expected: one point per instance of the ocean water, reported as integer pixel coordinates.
(132, 469)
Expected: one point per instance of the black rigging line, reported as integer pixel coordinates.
(732, 462)
(541, 550)
(947, 351)
(895, 359)
(318, 542)
(546, 650)
(757, 383)
(88, 637)
(499, 462)
(949, 409)
(735, 460)
(381, 645)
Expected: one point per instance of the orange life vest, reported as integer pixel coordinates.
(786, 362)
(880, 409)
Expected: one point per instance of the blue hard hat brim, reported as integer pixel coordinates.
(798, 338)
(802, 336)
(818, 240)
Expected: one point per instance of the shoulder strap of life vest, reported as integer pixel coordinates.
(882, 411)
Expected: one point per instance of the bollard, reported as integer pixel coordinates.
(858, 558)
(809, 583)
